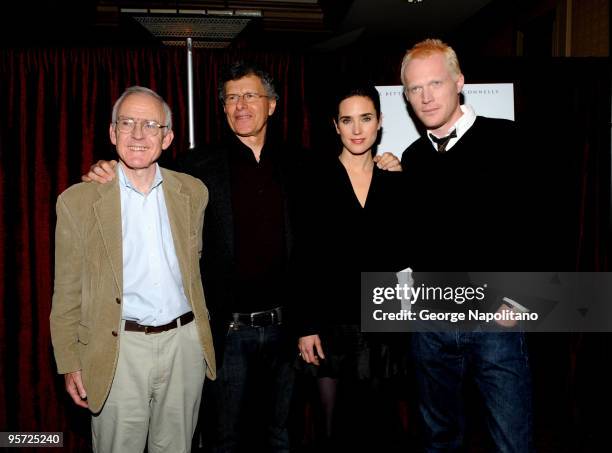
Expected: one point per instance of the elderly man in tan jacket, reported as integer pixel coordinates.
(129, 323)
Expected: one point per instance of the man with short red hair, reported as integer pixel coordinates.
(460, 173)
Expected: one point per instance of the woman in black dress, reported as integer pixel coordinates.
(354, 219)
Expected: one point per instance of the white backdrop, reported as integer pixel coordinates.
(495, 100)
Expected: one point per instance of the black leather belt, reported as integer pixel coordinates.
(133, 326)
(265, 318)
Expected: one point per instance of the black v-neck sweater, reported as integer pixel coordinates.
(466, 203)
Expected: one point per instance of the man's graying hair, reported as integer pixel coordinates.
(240, 69)
(147, 91)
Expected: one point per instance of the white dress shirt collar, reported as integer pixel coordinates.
(461, 126)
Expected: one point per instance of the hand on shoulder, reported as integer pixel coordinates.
(101, 172)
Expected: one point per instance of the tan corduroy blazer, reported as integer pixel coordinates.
(86, 313)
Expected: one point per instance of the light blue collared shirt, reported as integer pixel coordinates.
(153, 292)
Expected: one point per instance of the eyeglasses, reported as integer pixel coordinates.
(149, 128)
(249, 98)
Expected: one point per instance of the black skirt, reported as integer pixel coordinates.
(352, 354)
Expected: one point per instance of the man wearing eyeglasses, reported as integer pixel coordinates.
(129, 323)
(249, 244)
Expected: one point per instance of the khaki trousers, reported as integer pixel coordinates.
(156, 391)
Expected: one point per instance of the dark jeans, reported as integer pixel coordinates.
(252, 394)
(497, 361)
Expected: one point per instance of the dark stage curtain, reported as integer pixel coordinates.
(55, 107)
